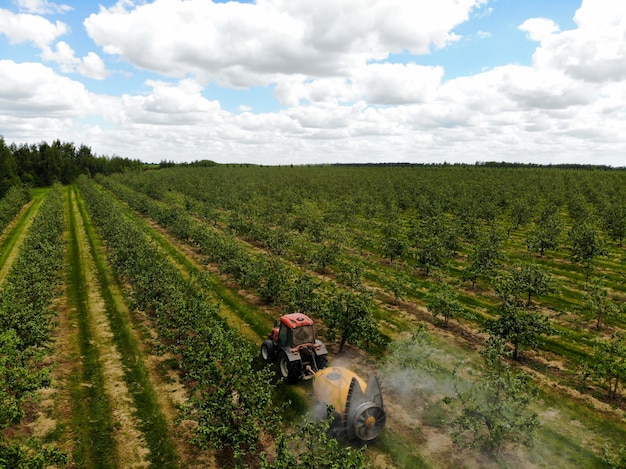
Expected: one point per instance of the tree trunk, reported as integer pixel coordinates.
(342, 344)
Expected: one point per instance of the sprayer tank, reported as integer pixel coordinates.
(331, 386)
(358, 405)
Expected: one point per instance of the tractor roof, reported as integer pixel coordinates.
(296, 320)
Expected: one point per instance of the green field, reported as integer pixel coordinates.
(143, 351)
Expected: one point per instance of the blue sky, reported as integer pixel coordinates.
(294, 81)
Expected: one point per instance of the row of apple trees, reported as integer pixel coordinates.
(12, 203)
(25, 326)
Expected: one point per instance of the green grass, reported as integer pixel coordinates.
(92, 419)
(153, 423)
(402, 452)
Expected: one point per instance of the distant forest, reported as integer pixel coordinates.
(43, 164)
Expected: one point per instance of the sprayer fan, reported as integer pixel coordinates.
(367, 421)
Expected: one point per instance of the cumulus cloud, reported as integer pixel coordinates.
(539, 29)
(342, 99)
(21, 28)
(32, 89)
(244, 45)
(593, 52)
(90, 65)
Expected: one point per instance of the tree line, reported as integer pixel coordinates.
(45, 163)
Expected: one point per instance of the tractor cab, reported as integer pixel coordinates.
(292, 330)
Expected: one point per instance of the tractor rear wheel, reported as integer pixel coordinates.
(288, 370)
(322, 362)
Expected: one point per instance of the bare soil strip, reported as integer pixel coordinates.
(15, 234)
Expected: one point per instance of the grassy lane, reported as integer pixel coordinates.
(92, 418)
(153, 423)
(16, 233)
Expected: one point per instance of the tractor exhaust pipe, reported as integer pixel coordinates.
(359, 406)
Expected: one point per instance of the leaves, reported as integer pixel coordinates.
(609, 364)
(443, 301)
(495, 410)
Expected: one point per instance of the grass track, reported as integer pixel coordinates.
(153, 423)
(92, 419)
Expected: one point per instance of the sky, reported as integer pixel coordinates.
(319, 81)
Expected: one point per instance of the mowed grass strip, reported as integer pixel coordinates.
(92, 419)
(153, 423)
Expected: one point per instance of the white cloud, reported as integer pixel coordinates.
(400, 83)
(41, 6)
(62, 54)
(596, 50)
(539, 29)
(378, 83)
(32, 89)
(90, 65)
(20, 28)
(244, 45)
(341, 100)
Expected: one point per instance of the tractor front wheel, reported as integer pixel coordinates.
(267, 351)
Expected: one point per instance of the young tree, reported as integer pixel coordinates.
(598, 303)
(443, 301)
(585, 245)
(495, 410)
(310, 446)
(609, 363)
(349, 316)
(520, 327)
(483, 260)
(395, 242)
(615, 221)
(522, 210)
(531, 280)
(433, 242)
(546, 233)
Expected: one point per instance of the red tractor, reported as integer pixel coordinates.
(294, 345)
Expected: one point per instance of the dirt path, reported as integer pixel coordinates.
(15, 233)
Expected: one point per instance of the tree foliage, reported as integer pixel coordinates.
(546, 233)
(349, 317)
(496, 410)
(484, 257)
(598, 303)
(45, 163)
(309, 446)
(609, 363)
(586, 244)
(529, 280)
(443, 301)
